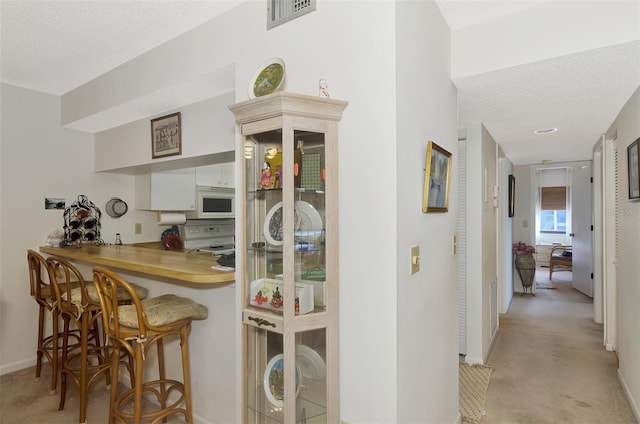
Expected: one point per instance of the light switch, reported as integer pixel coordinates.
(415, 259)
(525, 224)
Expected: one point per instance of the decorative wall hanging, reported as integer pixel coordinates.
(633, 161)
(437, 179)
(116, 207)
(512, 196)
(166, 139)
(53, 203)
(82, 222)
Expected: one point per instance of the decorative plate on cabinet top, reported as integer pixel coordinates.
(268, 78)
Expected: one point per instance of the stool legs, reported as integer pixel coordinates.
(186, 373)
(43, 348)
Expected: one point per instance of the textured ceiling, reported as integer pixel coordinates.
(55, 46)
(580, 94)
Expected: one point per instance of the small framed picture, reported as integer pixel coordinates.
(166, 139)
(633, 161)
(512, 196)
(437, 179)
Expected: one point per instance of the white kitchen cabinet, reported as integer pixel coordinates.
(166, 191)
(217, 175)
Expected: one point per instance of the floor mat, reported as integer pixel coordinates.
(474, 382)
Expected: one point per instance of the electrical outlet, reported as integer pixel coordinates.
(138, 229)
(415, 259)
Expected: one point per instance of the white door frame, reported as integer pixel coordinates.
(598, 233)
(609, 254)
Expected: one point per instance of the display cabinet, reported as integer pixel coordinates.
(287, 257)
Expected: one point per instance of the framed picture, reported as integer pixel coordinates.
(633, 160)
(166, 139)
(437, 179)
(512, 196)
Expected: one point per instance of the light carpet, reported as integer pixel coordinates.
(474, 382)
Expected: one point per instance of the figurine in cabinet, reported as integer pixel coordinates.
(276, 299)
(260, 299)
(265, 181)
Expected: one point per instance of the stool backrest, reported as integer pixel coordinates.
(69, 286)
(108, 284)
(40, 287)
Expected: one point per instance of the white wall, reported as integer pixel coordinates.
(524, 217)
(481, 239)
(354, 49)
(40, 159)
(484, 47)
(426, 301)
(505, 236)
(627, 127)
(207, 127)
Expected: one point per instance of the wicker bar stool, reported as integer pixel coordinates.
(42, 292)
(82, 308)
(136, 328)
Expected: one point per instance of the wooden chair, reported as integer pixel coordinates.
(78, 304)
(561, 257)
(47, 345)
(135, 329)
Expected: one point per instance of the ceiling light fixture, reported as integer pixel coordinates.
(545, 130)
(271, 152)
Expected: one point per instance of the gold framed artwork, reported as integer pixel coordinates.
(166, 138)
(437, 179)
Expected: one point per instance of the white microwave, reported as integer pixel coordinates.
(214, 203)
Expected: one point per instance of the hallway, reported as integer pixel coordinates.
(549, 364)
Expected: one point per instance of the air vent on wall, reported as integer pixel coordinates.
(281, 11)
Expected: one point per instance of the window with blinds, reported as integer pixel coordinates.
(553, 209)
(553, 198)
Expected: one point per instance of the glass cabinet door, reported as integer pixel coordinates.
(288, 264)
(278, 261)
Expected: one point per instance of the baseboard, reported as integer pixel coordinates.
(492, 341)
(610, 347)
(20, 365)
(632, 403)
(459, 419)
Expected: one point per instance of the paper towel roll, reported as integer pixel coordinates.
(171, 218)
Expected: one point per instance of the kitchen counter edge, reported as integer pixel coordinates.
(174, 265)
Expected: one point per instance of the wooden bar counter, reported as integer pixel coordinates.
(191, 267)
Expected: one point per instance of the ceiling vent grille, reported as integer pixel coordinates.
(281, 11)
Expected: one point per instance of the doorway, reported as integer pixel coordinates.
(562, 214)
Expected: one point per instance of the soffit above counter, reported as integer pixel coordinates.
(171, 165)
(84, 112)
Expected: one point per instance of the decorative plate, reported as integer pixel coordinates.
(273, 381)
(310, 221)
(170, 239)
(273, 224)
(268, 78)
(310, 363)
(116, 207)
